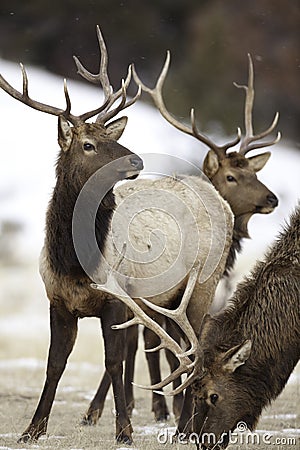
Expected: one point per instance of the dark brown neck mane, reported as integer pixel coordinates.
(240, 231)
(59, 239)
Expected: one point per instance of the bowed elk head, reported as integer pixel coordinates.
(221, 400)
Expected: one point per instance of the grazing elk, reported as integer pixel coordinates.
(252, 347)
(85, 148)
(246, 353)
(234, 176)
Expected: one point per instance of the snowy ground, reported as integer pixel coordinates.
(28, 148)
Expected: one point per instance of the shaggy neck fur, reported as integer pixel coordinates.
(59, 239)
(240, 231)
(266, 310)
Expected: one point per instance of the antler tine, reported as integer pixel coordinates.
(179, 314)
(156, 94)
(220, 150)
(140, 317)
(102, 75)
(104, 113)
(24, 98)
(122, 92)
(249, 137)
(68, 100)
(186, 365)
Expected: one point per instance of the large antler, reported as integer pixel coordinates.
(108, 100)
(156, 94)
(102, 77)
(186, 365)
(246, 142)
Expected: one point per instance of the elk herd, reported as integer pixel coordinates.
(151, 252)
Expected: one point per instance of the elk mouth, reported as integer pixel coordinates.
(131, 175)
(269, 205)
(134, 166)
(265, 209)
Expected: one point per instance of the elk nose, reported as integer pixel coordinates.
(272, 200)
(136, 162)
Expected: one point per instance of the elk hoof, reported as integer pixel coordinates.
(162, 417)
(24, 438)
(91, 418)
(31, 435)
(124, 440)
(161, 414)
(160, 409)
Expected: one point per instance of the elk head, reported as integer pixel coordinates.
(89, 146)
(224, 396)
(233, 175)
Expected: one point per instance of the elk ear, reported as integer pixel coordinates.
(211, 164)
(237, 356)
(115, 128)
(64, 134)
(257, 162)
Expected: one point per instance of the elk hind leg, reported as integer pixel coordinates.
(96, 406)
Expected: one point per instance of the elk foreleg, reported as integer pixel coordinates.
(159, 405)
(63, 326)
(114, 311)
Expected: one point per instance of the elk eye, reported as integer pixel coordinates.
(214, 398)
(88, 147)
(230, 178)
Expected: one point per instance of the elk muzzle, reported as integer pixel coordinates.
(271, 202)
(131, 166)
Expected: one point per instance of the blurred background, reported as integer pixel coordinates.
(209, 41)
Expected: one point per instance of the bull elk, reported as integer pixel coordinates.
(234, 176)
(246, 353)
(84, 149)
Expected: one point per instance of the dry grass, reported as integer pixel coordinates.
(24, 339)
